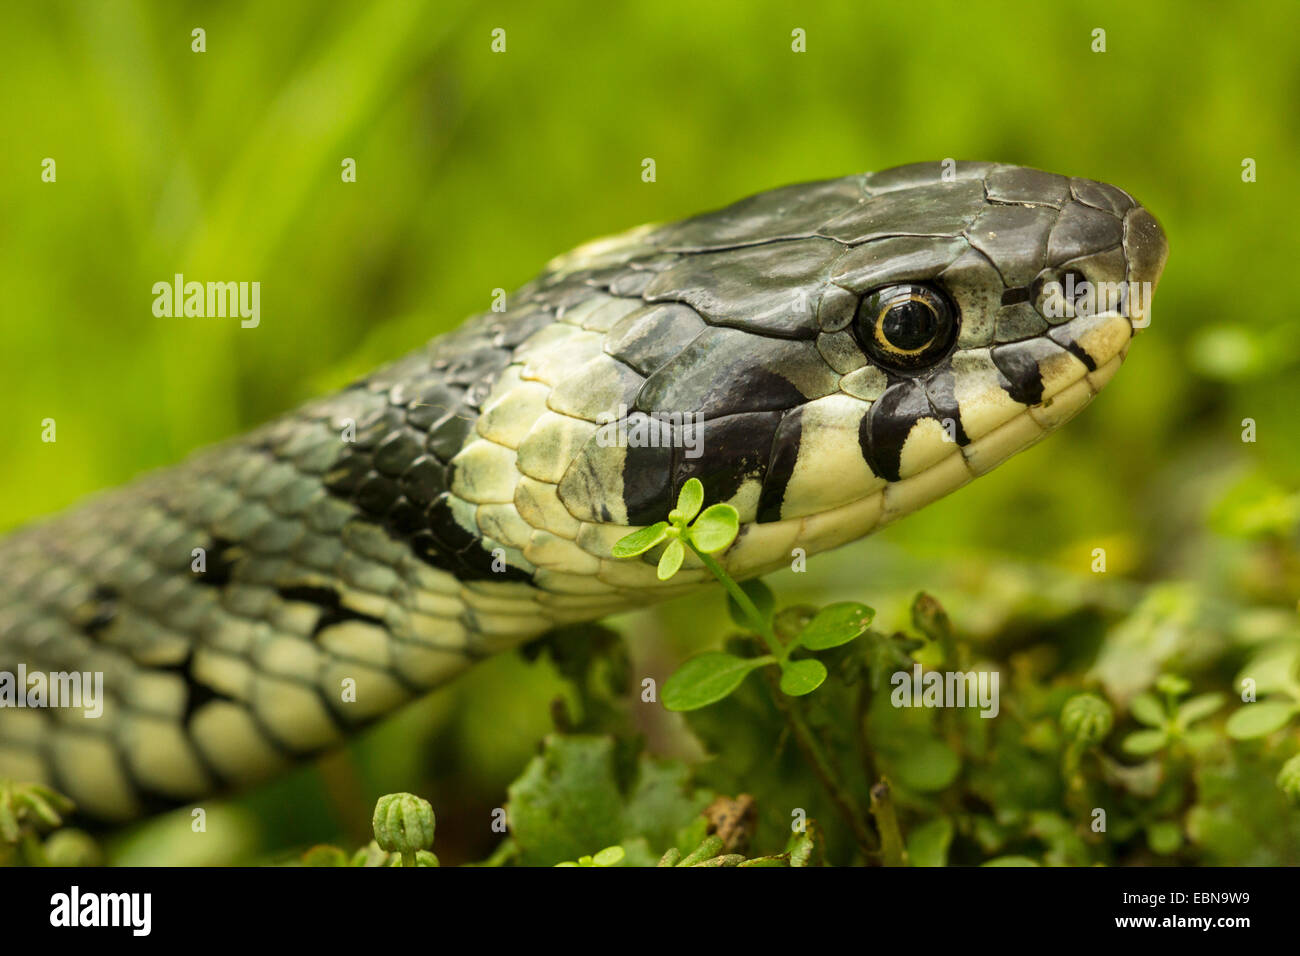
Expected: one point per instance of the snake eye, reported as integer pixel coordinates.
(906, 327)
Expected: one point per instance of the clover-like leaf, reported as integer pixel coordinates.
(639, 542)
(707, 678)
(690, 499)
(802, 677)
(716, 528)
(1148, 710)
(1259, 720)
(1143, 742)
(836, 624)
(671, 560)
(1173, 685)
(1198, 708)
(763, 598)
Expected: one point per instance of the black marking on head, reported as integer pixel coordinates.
(884, 430)
(734, 449)
(1061, 336)
(785, 454)
(648, 471)
(726, 371)
(1018, 364)
(940, 389)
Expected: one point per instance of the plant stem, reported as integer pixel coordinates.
(865, 756)
(892, 848)
(761, 626)
(816, 758)
(804, 737)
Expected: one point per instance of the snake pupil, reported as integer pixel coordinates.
(909, 326)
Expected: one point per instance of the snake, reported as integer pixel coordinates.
(825, 357)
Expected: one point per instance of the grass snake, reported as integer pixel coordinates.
(826, 357)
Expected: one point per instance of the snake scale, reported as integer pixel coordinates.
(840, 352)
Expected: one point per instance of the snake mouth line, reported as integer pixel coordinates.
(763, 548)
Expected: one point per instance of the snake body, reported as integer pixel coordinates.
(260, 601)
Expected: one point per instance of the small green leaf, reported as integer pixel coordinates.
(763, 599)
(716, 528)
(671, 560)
(802, 677)
(707, 678)
(1148, 710)
(927, 844)
(1143, 742)
(1173, 685)
(1288, 779)
(690, 499)
(836, 624)
(1198, 708)
(927, 765)
(639, 542)
(1260, 720)
(610, 856)
(1164, 837)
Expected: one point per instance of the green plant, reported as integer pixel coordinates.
(1168, 721)
(709, 677)
(30, 810)
(610, 856)
(404, 824)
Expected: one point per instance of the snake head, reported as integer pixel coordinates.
(829, 357)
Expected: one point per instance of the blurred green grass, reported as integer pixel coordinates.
(474, 168)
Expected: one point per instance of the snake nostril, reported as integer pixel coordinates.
(1074, 284)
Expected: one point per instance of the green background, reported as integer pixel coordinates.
(474, 168)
